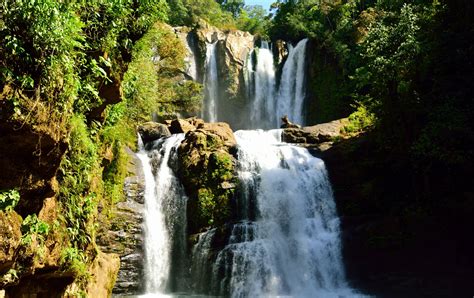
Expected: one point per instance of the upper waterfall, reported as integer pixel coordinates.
(209, 111)
(267, 101)
(291, 95)
(250, 94)
(260, 83)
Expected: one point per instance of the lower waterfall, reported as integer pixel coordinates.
(165, 215)
(285, 242)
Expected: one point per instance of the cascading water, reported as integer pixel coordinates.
(267, 104)
(291, 93)
(261, 88)
(284, 239)
(288, 245)
(210, 108)
(165, 205)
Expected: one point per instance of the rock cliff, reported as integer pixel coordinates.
(232, 49)
(121, 233)
(34, 241)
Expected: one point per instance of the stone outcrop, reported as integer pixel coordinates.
(232, 49)
(151, 131)
(396, 244)
(189, 39)
(121, 233)
(205, 166)
(30, 158)
(34, 141)
(280, 51)
(181, 126)
(10, 236)
(103, 274)
(34, 269)
(319, 136)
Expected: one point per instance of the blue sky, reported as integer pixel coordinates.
(264, 3)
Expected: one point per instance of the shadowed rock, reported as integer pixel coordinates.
(151, 131)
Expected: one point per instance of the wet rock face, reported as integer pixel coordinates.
(151, 131)
(123, 234)
(43, 286)
(103, 271)
(232, 49)
(181, 126)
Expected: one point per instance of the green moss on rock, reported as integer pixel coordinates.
(207, 169)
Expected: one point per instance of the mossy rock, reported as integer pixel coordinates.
(207, 170)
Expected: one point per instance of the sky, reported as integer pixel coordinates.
(264, 3)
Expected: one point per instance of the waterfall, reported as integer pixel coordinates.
(261, 88)
(165, 205)
(291, 245)
(292, 93)
(209, 111)
(267, 103)
(283, 238)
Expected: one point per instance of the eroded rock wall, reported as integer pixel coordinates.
(121, 233)
(33, 239)
(233, 47)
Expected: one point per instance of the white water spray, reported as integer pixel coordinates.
(267, 104)
(210, 108)
(261, 88)
(291, 94)
(292, 246)
(162, 199)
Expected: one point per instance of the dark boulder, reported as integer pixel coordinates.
(151, 131)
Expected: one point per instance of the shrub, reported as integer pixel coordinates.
(9, 199)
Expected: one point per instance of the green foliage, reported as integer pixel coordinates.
(233, 6)
(33, 226)
(72, 259)
(213, 198)
(221, 167)
(207, 205)
(213, 207)
(61, 53)
(254, 19)
(116, 137)
(152, 83)
(188, 12)
(9, 199)
(78, 177)
(10, 277)
(360, 120)
(40, 41)
(445, 139)
(392, 50)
